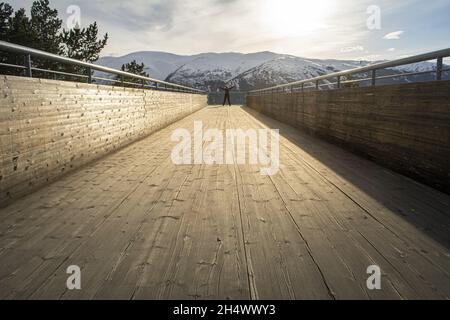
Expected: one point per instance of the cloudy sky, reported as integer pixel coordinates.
(308, 28)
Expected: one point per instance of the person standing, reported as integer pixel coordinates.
(227, 97)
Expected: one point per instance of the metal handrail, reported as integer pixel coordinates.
(439, 55)
(30, 52)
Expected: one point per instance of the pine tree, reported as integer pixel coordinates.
(15, 28)
(134, 68)
(46, 26)
(6, 12)
(84, 45)
(43, 32)
(20, 29)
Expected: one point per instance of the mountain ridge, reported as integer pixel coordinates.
(247, 71)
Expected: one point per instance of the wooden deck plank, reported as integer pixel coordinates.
(141, 227)
(406, 249)
(315, 213)
(280, 260)
(196, 244)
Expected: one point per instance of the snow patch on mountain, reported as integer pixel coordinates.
(210, 71)
(424, 66)
(286, 69)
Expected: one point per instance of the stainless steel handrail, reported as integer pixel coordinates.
(30, 52)
(439, 55)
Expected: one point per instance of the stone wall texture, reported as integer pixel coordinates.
(403, 127)
(48, 128)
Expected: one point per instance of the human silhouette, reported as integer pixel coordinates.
(227, 94)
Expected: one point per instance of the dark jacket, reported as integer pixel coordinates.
(227, 89)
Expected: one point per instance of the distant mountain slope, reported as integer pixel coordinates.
(286, 69)
(249, 71)
(212, 70)
(158, 64)
(197, 69)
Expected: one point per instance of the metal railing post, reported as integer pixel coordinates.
(89, 70)
(439, 68)
(28, 66)
(339, 82)
(374, 77)
(317, 85)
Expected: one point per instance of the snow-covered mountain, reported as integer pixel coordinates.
(157, 64)
(213, 69)
(418, 67)
(247, 71)
(287, 69)
(199, 70)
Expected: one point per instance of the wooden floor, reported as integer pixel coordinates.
(141, 227)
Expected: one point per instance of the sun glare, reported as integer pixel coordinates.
(296, 17)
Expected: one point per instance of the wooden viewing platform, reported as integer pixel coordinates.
(141, 227)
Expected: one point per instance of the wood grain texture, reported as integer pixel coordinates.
(48, 128)
(404, 127)
(141, 227)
